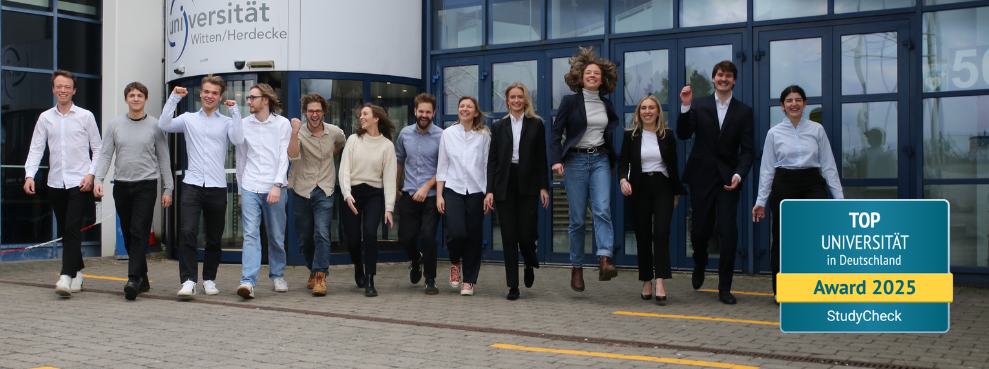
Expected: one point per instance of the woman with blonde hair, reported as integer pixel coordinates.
(586, 160)
(461, 184)
(647, 171)
(518, 182)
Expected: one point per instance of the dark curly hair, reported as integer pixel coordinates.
(579, 62)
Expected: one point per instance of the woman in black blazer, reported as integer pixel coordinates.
(648, 164)
(517, 175)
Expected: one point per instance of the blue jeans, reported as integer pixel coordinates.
(253, 206)
(588, 176)
(313, 218)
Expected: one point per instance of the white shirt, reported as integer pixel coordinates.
(262, 160)
(71, 139)
(206, 141)
(463, 160)
(652, 159)
(722, 112)
(516, 136)
(801, 147)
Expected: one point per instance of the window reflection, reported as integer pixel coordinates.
(457, 23)
(516, 21)
(711, 12)
(504, 74)
(641, 15)
(457, 82)
(560, 88)
(79, 8)
(850, 6)
(699, 62)
(342, 95)
(969, 222)
(813, 112)
(956, 137)
(575, 18)
(781, 9)
(647, 73)
(794, 62)
(27, 40)
(868, 140)
(954, 50)
(870, 192)
(397, 100)
(868, 63)
(80, 46)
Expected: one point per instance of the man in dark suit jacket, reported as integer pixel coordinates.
(720, 160)
(517, 190)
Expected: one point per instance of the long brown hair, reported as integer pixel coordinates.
(269, 93)
(385, 126)
(478, 124)
(637, 122)
(578, 63)
(530, 112)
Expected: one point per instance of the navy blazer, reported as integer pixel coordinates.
(718, 153)
(571, 117)
(533, 174)
(630, 163)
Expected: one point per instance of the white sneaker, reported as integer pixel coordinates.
(467, 290)
(246, 290)
(77, 283)
(188, 289)
(280, 284)
(455, 275)
(210, 288)
(62, 287)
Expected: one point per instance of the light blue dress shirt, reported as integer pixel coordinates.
(419, 153)
(801, 147)
(206, 140)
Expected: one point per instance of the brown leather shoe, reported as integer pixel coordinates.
(312, 280)
(577, 279)
(319, 284)
(607, 271)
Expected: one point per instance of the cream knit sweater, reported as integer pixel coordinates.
(369, 160)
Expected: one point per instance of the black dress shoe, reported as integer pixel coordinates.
(697, 279)
(660, 298)
(513, 294)
(359, 275)
(646, 297)
(415, 271)
(727, 298)
(145, 286)
(369, 290)
(131, 290)
(529, 276)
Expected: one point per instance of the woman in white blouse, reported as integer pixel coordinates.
(367, 181)
(797, 163)
(461, 181)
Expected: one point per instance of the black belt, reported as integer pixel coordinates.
(592, 150)
(653, 173)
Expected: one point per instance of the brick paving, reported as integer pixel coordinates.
(403, 327)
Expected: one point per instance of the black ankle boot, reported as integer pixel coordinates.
(359, 275)
(369, 290)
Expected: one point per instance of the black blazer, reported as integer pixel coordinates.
(533, 173)
(729, 149)
(630, 162)
(572, 118)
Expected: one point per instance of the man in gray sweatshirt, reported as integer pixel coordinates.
(142, 157)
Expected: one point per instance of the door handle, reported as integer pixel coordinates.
(483, 75)
(907, 149)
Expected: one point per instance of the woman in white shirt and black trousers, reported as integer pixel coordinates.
(649, 177)
(367, 181)
(461, 181)
(797, 163)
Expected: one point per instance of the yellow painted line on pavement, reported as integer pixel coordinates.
(104, 277)
(623, 357)
(45, 367)
(694, 317)
(742, 293)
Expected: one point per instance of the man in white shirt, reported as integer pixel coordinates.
(262, 164)
(204, 185)
(72, 136)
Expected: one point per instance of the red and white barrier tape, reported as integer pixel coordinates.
(57, 239)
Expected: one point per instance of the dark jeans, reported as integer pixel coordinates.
(211, 203)
(370, 204)
(710, 206)
(313, 218)
(652, 207)
(791, 184)
(464, 231)
(419, 219)
(135, 203)
(519, 216)
(69, 205)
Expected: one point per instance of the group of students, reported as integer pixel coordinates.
(463, 172)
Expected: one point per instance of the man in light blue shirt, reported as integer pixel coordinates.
(417, 150)
(204, 186)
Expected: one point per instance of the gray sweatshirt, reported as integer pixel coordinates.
(142, 152)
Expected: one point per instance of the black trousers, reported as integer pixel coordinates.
(211, 203)
(370, 204)
(69, 206)
(464, 225)
(419, 219)
(791, 184)
(135, 203)
(712, 206)
(519, 216)
(652, 207)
